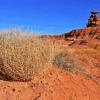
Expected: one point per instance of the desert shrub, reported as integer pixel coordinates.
(64, 60)
(23, 56)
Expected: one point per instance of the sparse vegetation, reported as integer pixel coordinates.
(64, 60)
(23, 56)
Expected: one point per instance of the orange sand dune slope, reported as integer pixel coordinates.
(51, 85)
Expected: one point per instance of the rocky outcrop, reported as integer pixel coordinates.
(94, 20)
(80, 34)
(85, 33)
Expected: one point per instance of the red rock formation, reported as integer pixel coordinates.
(80, 34)
(94, 20)
(85, 33)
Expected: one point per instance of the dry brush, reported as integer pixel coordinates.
(23, 56)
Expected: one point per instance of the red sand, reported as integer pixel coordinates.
(51, 85)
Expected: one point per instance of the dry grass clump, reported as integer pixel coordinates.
(64, 60)
(22, 56)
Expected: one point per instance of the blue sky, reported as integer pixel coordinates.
(46, 16)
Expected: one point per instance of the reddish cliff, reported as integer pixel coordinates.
(85, 33)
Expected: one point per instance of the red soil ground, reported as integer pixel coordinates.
(51, 85)
(56, 84)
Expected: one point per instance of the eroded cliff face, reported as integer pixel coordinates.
(85, 33)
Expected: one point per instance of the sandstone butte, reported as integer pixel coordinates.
(57, 84)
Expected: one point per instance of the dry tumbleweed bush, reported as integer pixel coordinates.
(22, 57)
